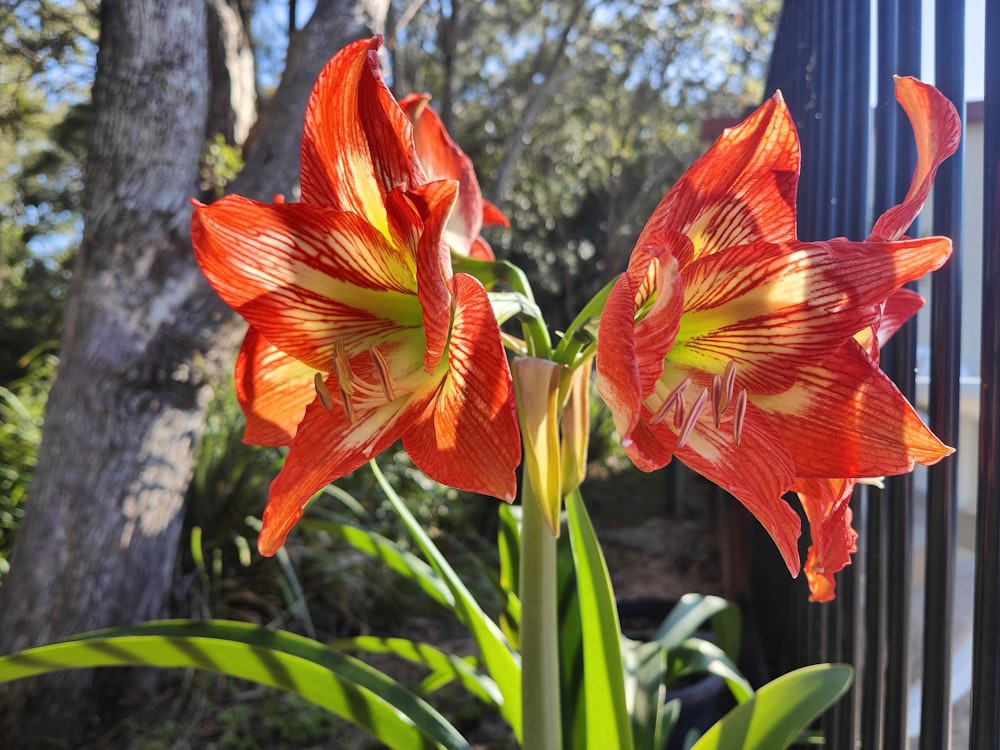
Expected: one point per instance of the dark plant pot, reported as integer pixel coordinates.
(640, 617)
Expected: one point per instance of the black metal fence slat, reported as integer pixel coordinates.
(935, 723)
(985, 719)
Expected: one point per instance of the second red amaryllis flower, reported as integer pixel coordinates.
(731, 344)
(360, 332)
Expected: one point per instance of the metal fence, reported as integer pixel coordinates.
(832, 59)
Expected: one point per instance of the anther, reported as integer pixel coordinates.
(739, 411)
(382, 368)
(692, 417)
(717, 405)
(323, 392)
(728, 380)
(342, 367)
(677, 394)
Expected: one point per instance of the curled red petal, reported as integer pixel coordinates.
(467, 436)
(938, 131)
(357, 144)
(741, 190)
(827, 506)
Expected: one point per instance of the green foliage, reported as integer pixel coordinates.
(220, 164)
(780, 711)
(22, 406)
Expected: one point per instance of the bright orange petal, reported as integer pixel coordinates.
(772, 309)
(741, 190)
(434, 201)
(938, 130)
(273, 390)
(441, 159)
(356, 143)
(827, 506)
(305, 276)
(845, 418)
(326, 447)
(468, 436)
(758, 472)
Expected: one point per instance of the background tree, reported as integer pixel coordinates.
(580, 114)
(143, 335)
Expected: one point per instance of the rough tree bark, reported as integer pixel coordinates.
(144, 337)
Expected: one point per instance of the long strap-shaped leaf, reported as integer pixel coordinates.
(501, 662)
(779, 711)
(444, 667)
(608, 724)
(341, 684)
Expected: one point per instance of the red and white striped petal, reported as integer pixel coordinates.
(741, 190)
(467, 436)
(827, 506)
(938, 131)
(357, 143)
(306, 276)
(326, 447)
(273, 390)
(441, 159)
(845, 418)
(773, 309)
(758, 472)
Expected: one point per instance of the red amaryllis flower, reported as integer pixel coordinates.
(442, 159)
(731, 344)
(360, 332)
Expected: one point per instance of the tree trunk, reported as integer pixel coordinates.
(144, 337)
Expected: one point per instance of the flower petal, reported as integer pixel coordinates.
(845, 418)
(434, 201)
(758, 472)
(827, 506)
(356, 143)
(326, 447)
(305, 276)
(741, 190)
(442, 158)
(773, 309)
(273, 390)
(467, 436)
(938, 130)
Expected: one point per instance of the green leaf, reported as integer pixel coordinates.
(779, 711)
(691, 612)
(501, 662)
(340, 683)
(444, 667)
(608, 724)
(381, 548)
(698, 656)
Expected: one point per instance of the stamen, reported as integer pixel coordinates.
(692, 417)
(739, 411)
(728, 380)
(382, 368)
(342, 366)
(717, 405)
(679, 411)
(674, 395)
(323, 392)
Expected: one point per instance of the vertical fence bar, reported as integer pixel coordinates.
(946, 311)
(851, 160)
(901, 365)
(985, 719)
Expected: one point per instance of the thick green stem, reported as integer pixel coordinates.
(539, 631)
